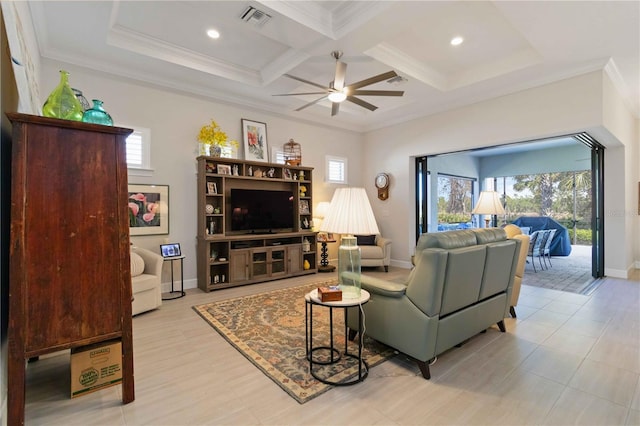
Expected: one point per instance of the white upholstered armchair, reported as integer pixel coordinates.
(146, 277)
(376, 251)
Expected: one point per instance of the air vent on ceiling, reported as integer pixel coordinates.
(255, 16)
(397, 80)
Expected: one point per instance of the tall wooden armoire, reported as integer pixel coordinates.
(70, 277)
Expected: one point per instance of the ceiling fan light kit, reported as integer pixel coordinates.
(337, 97)
(337, 92)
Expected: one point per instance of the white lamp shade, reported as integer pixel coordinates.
(489, 203)
(350, 213)
(321, 211)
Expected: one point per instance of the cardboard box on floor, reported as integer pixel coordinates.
(95, 367)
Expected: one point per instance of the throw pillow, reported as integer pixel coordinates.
(137, 264)
(366, 240)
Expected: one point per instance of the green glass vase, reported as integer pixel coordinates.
(97, 114)
(62, 102)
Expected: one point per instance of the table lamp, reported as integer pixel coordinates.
(319, 213)
(349, 214)
(488, 204)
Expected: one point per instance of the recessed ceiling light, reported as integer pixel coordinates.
(213, 33)
(457, 41)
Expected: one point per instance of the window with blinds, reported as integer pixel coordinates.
(336, 170)
(138, 149)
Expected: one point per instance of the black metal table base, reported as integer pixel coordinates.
(335, 355)
(177, 295)
(180, 293)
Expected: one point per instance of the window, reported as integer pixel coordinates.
(336, 169)
(139, 151)
(278, 156)
(455, 202)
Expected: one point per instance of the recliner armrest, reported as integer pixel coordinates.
(379, 286)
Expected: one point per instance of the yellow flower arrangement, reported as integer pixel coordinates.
(211, 134)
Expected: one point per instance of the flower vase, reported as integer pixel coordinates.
(215, 150)
(97, 115)
(62, 102)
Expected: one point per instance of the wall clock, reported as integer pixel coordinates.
(382, 183)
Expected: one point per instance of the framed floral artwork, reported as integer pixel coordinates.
(254, 135)
(148, 209)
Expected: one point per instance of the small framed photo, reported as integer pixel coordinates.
(254, 135)
(287, 173)
(224, 169)
(212, 188)
(304, 207)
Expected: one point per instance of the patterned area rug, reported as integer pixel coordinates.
(269, 330)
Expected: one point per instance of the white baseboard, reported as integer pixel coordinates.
(617, 273)
(192, 283)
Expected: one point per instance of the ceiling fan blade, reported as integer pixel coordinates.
(297, 94)
(334, 108)
(377, 93)
(362, 103)
(372, 80)
(311, 103)
(341, 71)
(306, 81)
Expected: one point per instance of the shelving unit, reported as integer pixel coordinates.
(227, 258)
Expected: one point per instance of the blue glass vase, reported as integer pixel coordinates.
(97, 114)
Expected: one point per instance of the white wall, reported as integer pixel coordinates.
(174, 120)
(556, 109)
(560, 108)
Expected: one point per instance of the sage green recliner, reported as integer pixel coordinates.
(452, 294)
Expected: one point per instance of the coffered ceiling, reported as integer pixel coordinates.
(508, 47)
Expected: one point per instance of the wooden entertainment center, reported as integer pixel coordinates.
(228, 257)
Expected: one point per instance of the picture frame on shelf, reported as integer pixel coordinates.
(286, 173)
(254, 136)
(224, 169)
(148, 209)
(212, 188)
(304, 207)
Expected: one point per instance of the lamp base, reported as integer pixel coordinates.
(349, 268)
(486, 222)
(326, 268)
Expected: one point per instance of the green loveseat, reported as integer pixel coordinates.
(461, 285)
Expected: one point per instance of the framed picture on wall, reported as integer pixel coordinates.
(254, 135)
(148, 209)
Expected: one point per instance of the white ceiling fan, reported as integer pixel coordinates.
(337, 92)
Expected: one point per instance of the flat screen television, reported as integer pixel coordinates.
(261, 211)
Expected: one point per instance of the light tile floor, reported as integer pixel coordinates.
(566, 359)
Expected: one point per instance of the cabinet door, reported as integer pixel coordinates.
(239, 268)
(277, 262)
(259, 263)
(75, 224)
(294, 254)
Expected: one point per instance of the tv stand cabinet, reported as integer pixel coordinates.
(226, 258)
